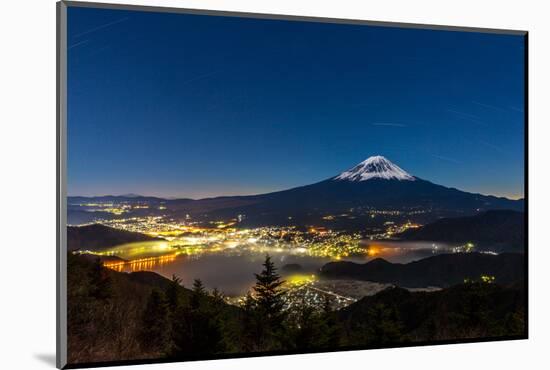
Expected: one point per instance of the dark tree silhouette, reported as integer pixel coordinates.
(264, 327)
(268, 292)
(196, 327)
(173, 293)
(111, 316)
(100, 281)
(155, 332)
(199, 294)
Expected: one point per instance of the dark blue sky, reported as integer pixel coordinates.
(194, 106)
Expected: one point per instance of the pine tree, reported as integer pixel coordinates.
(264, 315)
(217, 295)
(197, 329)
(100, 281)
(269, 295)
(218, 300)
(155, 333)
(173, 292)
(198, 294)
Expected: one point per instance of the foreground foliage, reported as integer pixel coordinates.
(118, 316)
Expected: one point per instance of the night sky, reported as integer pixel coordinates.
(193, 106)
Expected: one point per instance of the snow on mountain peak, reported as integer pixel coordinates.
(375, 167)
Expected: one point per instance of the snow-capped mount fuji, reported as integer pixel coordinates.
(374, 191)
(376, 167)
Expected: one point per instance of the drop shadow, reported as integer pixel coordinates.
(47, 358)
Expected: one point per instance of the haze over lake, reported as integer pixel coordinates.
(232, 269)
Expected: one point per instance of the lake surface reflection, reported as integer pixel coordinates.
(232, 269)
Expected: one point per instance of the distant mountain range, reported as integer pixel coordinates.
(375, 183)
(441, 270)
(98, 236)
(493, 227)
(116, 198)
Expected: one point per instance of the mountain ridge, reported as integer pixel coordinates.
(494, 226)
(442, 270)
(97, 236)
(368, 163)
(375, 183)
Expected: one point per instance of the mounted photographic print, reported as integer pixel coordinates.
(235, 185)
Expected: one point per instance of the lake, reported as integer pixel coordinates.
(232, 269)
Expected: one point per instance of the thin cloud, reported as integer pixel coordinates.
(390, 124)
(467, 116)
(77, 44)
(494, 107)
(102, 26)
(493, 146)
(460, 113)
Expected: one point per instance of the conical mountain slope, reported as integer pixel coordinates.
(375, 184)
